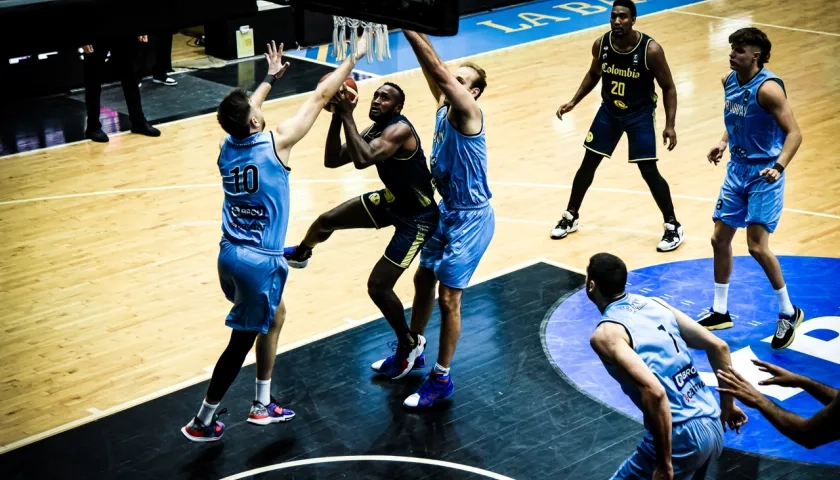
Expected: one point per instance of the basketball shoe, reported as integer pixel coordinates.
(672, 238)
(390, 365)
(568, 224)
(403, 360)
(267, 414)
(786, 328)
(196, 431)
(713, 320)
(297, 256)
(438, 386)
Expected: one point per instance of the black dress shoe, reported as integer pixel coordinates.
(144, 128)
(96, 135)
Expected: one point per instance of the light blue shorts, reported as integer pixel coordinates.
(458, 244)
(746, 198)
(254, 282)
(695, 444)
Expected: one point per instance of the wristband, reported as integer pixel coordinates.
(270, 79)
(778, 167)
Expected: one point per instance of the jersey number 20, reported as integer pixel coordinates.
(617, 88)
(250, 179)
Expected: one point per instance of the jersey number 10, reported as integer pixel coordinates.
(250, 179)
(617, 88)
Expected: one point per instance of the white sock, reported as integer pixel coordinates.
(205, 413)
(721, 292)
(785, 307)
(264, 391)
(441, 370)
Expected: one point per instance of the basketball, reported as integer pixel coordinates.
(350, 89)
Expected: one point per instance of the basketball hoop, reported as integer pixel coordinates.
(376, 37)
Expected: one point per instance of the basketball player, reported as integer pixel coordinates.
(763, 137)
(406, 203)
(627, 62)
(254, 165)
(822, 428)
(643, 343)
(467, 221)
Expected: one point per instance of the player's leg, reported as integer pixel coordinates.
(468, 237)
(359, 212)
(730, 214)
(764, 209)
(410, 236)
(601, 140)
(641, 143)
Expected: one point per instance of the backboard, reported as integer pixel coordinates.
(433, 17)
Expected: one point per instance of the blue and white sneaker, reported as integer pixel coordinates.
(389, 366)
(297, 257)
(436, 387)
(267, 414)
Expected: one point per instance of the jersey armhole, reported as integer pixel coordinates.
(416, 141)
(276, 155)
(777, 80)
(647, 45)
(632, 342)
(464, 135)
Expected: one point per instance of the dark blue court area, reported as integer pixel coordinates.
(514, 413)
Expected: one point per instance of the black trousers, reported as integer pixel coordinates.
(123, 53)
(163, 55)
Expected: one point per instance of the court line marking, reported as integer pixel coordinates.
(331, 65)
(361, 82)
(741, 20)
(368, 458)
(373, 180)
(206, 376)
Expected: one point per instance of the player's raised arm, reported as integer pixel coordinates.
(295, 128)
(429, 79)
(772, 97)
(662, 72)
(590, 80)
(611, 343)
(459, 97)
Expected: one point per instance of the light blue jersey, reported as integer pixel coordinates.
(256, 184)
(754, 135)
(655, 336)
(459, 165)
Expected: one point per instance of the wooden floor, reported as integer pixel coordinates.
(108, 298)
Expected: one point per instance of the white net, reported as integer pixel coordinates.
(376, 37)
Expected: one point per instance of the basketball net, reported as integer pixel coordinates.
(376, 37)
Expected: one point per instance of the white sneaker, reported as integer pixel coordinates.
(672, 238)
(568, 223)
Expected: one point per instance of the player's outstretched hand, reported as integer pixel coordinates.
(716, 153)
(781, 377)
(669, 136)
(274, 56)
(565, 108)
(740, 388)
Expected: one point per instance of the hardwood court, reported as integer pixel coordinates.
(110, 297)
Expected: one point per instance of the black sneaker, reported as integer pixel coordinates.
(297, 256)
(716, 321)
(568, 223)
(672, 238)
(786, 329)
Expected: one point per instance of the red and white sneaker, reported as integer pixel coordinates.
(267, 414)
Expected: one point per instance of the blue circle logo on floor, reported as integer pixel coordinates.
(812, 282)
